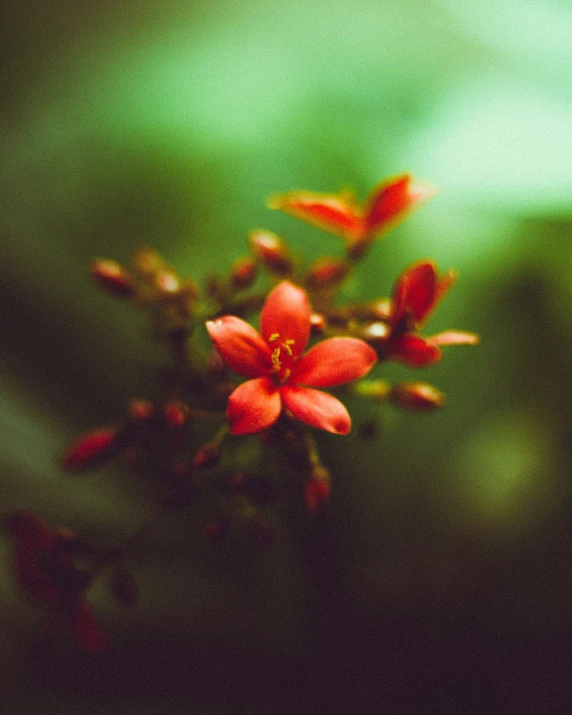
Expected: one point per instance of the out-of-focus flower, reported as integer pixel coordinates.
(282, 375)
(47, 573)
(387, 205)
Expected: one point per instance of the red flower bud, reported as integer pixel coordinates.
(113, 278)
(207, 456)
(141, 410)
(176, 414)
(243, 272)
(418, 396)
(91, 448)
(271, 250)
(326, 272)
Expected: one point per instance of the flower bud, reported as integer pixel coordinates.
(91, 448)
(317, 323)
(207, 456)
(166, 282)
(141, 410)
(327, 272)
(147, 262)
(417, 396)
(176, 414)
(243, 272)
(377, 390)
(113, 278)
(271, 250)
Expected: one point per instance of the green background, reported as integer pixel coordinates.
(441, 576)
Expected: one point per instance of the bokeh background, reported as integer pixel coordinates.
(440, 580)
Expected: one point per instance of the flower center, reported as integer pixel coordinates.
(282, 357)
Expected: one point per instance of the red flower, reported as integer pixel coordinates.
(282, 376)
(415, 295)
(47, 574)
(387, 205)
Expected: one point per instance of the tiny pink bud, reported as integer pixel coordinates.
(113, 278)
(243, 272)
(90, 448)
(418, 396)
(271, 250)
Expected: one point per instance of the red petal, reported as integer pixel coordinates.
(240, 346)
(454, 337)
(413, 350)
(85, 629)
(90, 448)
(333, 362)
(414, 292)
(316, 408)
(254, 406)
(286, 316)
(335, 214)
(391, 202)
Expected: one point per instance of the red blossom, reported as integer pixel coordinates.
(416, 293)
(387, 205)
(45, 568)
(282, 376)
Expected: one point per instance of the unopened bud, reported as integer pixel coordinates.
(376, 333)
(91, 448)
(141, 410)
(418, 396)
(176, 414)
(207, 456)
(378, 390)
(113, 278)
(317, 323)
(271, 250)
(327, 272)
(243, 272)
(167, 282)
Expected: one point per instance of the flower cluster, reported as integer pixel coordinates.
(308, 341)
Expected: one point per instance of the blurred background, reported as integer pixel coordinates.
(440, 580)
